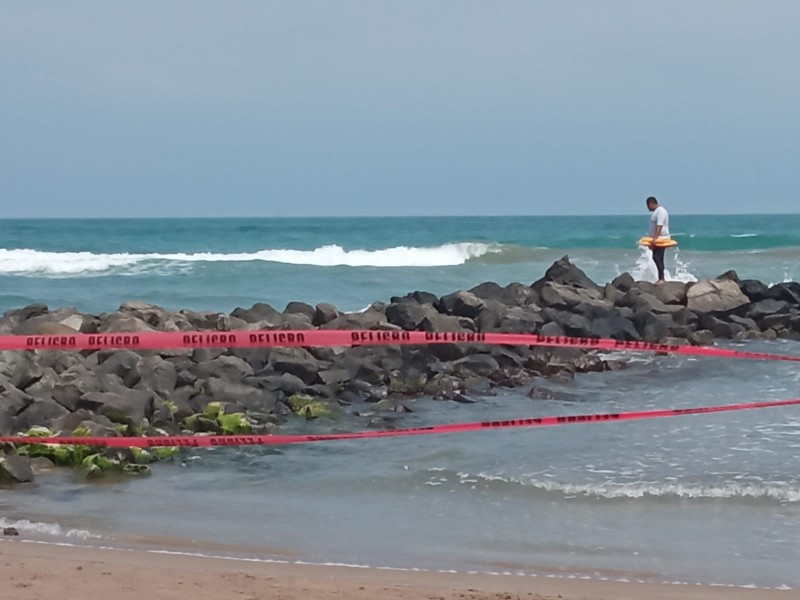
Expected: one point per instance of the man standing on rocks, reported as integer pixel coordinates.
(659, 228)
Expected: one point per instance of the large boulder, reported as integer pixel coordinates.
(250, 398)
(122, 363)
(715, 296)
(19, 368)
(408, 315)
(158, 375)
(439, 322)
(764, 308)
(514, 294)
(789, 291)
(229, 368)
(461, 304)
(13, 399)
(300, 308)
(324, 313)
(17, 468)
(671, 292)
(42, 411)
(123, 323)
(616, 328)
(564, 296)
(261, 313)
(754, 289)
(296, 361)
(129, 407)
(369, 319)
(520, 319)
(565, 273)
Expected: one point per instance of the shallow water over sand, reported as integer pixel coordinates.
(709, 498)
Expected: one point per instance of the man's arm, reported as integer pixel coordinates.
(656, 234)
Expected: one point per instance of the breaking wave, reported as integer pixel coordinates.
(28, 262)
(46, 529)
(611, 490)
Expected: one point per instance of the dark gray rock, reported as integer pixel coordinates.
(122, 363)
(257, 358)
(229, 368)
(42, 411)
(491, 316)
(300, 308)
(764, 308)
(439, 322)
(519, 319)
(296, 361)
(747, 323)
(67, 424)
(461, 304)
(564, 296)
(754, 289)
(565, 273)
(285, 382)
(324, 313)
(122, 323)
(789, 292)
(13, 399)
(652, 327)
(261, 313)
(480, 365)
(623, 282)
(671, 292)
(729, 275)
(16, 467)
(158, 375)
(8, 421)
(129, 407)
(551, 329)
(702, 337)
(67, 395)
(19, 368)
(369, 319)
(717, 327)
(409, 315)
(617, 328)
(249, 398)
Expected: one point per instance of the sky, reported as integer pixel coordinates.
(437, 107)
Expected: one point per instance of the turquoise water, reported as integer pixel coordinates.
(712, 498)
(218, 264)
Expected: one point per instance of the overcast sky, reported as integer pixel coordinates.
(434, 107)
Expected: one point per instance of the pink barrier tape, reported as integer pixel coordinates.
(274, 440)
(161, 340)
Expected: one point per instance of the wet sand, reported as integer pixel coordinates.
(30, 570)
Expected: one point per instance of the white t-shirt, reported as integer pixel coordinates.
(660, 216)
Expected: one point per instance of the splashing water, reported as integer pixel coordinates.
(645, 269)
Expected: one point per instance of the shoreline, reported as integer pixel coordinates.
(36, 569)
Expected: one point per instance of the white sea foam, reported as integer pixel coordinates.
(47, 529)
(645, 268)
(743, 235)
(643, 490)
(37, 263)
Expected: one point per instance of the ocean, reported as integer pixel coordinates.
(700, 499)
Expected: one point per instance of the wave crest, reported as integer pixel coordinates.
(642, 490)
(47, 529)
(38, 263)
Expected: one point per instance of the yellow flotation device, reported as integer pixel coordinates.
(660, 242)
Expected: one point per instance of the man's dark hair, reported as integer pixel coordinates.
(652, 199)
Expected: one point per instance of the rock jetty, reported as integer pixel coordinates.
(169, 392)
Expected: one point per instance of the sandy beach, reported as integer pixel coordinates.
(31, 570)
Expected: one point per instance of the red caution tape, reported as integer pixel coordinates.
(279, 440)
(160, 340)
